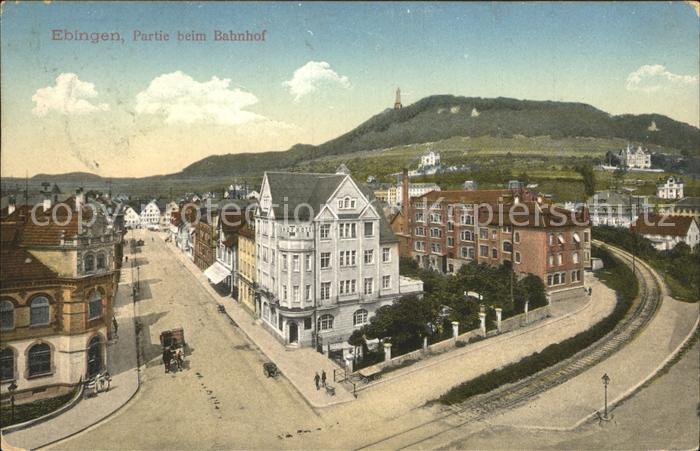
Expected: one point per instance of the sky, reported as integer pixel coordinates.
(120, 106)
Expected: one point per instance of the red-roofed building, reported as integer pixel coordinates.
(450, 228)
(665, 231)
(58, 279)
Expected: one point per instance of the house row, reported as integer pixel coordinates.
(444, 230)
(58, 281)
(312, 260)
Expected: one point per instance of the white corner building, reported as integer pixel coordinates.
(671, 188)
(326, 260)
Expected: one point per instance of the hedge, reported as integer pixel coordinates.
(620, 278)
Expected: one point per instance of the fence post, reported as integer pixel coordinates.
(455, 329)
(482, 323)
(387, 352)
(498, 318)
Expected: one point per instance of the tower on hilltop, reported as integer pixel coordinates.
(397, 103)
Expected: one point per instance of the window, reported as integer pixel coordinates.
(7, 315)
(494, 234)
(39, 359)
(295, 263)
(483, 234)
(284, 261)
(369, 256)
(369, 286)
(507, 246)
(325, 322)
(347, 258)
(348, 286)
(325, 231)
(483, 251)
(435, 233)
(450, 225)
(386, 255)
(325, 260)
(559, 259)
(420, 231)
(436, 248)
(369, 229)
(494, 253)
(307, 264)
(386, 282)
(348, 230)
(550, 260)
(101, 261)
(560, 237)
(450, 241)
(507, 229)
(325, 290)
(576, 237)
(95, 305)
(551, 239)
(295, 293)
(420, 217)
(464, 252)
(284, 292)
(467, 235)
(359, 317)
(575, 276)
(575, 257)
(420, 245)
(517, 257)
(436, 217)
(585, 237)
(292, 231)
(7, 364)
(466, 219)
(89, 263)
(39, 311)
(516, 237)
(307, 293)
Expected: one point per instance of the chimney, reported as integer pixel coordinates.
(79, 199)
(12, 205)
(404, 199)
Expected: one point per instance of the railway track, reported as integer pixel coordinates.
(651, 292)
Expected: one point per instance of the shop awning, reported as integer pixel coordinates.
(216, 273)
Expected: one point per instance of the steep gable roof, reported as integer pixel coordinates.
(291, 189)
(664, 225)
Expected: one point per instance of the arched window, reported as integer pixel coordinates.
(7, 364)
(101, 261)
(89, 263)
(347, 202)
(39, 311)
(7, 315)
(39, 361)
(325, 322)
(94, 305)
(575, 256)
(359, 317)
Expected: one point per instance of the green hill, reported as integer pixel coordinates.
(441, 117)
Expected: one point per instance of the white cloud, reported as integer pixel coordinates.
(651, 78)
(68, 96)
(181, 99)
(308, 77)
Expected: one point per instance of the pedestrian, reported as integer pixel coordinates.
(323, 378)
(127, 258)
(317, 379)
(179, 359)
(590, 291)
(115, 325)
(167, 356)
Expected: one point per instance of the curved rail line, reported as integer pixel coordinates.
(651, 292)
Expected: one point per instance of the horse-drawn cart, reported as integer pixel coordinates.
(173, 343)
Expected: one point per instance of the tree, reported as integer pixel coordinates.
(357, 340)
(586, 172)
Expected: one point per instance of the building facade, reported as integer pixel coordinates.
(666, 231)
(150, 214)
(395, 193)
(326, 259)
(452, 228)
(671, 188)
(632, 158)
(59, 279)
(616, 209)
(246, 267)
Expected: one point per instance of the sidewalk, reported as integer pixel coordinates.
(568, 405)
(121, 364)
(298, 365)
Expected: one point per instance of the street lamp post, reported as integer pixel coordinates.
(606, 381)
(11, 388)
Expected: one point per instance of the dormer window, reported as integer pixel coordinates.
(346, 203)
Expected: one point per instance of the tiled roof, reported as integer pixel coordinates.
(19, 265)
(460, 196)
(664, 225)
(291, 189)
(531, 214)
(50, 226)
